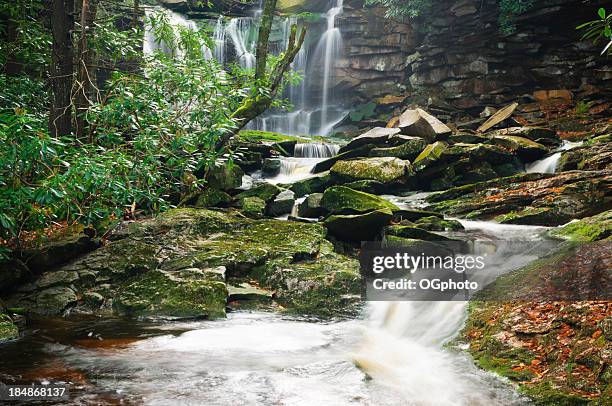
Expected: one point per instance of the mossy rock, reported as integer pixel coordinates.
(367, 186)
(159, 293)
(594, 228)
(434, 223)
(226, 177)
(343, 200)
(358, 227)
(526, 149)
(282, 204)
(414, 233)
(383, 170)
(213, 198)
(305, 187)
(253, 207)
(311, 206)
(409, 150)
(266, 192)
(429, 155)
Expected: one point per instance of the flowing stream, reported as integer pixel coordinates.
(394, 355)
(550, 163)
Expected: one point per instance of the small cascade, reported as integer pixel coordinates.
(316, 150)
(241, 31)
(549, 164)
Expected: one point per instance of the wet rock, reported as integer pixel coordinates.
(253, 207)
(343, 200)
(525, 149)
(434, 223)
(11, 272)
(367, 186)
(408, 150)
(362, 151)
(413, 215)
(282, 204)
(245, 291)
(159, 293)
(266, 192)
(419, 123)
(383, 170)
(358, 227)
(466, 138)
(414, 233)
(595, 155)
(429, 155)
(53, 301)
(316, 184)
(311, 206)
(57, 278)
(226, 177)
(271, 166)
(545, 200)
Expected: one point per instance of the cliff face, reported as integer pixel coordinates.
(460, 55)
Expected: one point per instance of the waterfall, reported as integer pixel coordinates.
(316, 150)
(549, 164)
(314, 108)
(330, 45)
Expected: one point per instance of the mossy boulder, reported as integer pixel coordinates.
(326, 165)
(253, 207)
(282, 204)
(383, 170)
(343, 200)
(409, 150)
(225, 177)
(367, 186)
(311, 206)
(358, 227)
(315, 184)
(213, 198)
(188, 293)
(267, 137)
(541, 135)
(271, 166)
(266, 192)
(377, 136)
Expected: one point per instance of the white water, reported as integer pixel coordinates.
(316, 150)
(549, 164)
(314, 109)
(402, 346)
(301, 165)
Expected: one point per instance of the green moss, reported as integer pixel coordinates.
(594, 228)
(267, 136)
(383, 170)
(309, 186)
(343, 200)
(266, 192)
(430, 154)
(414, 233)
(253, 207)
(159, 293)
(529, 215)
(213, 198)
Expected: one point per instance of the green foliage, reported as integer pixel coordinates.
(363, 112)
(509, 10)
(599, 29)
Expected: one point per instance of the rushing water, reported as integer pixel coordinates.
(550, 163)
(395, 355)
(316, 109)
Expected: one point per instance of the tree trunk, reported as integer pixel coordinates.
(12, 66)
(255, 106)
(85, 82)
(264, 39)
(62, 68)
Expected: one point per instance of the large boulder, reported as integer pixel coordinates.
(225, 177)
(594, 155)
(311, 206)
(414, 233)
(266, 192)
(180, 264)
(282, 204)
(343, 200)
(383, 170)
(419, 123)
(358, 227)
(316, 184)
(326, 165)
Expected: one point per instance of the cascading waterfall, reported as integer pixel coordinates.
(315, 150)
(330, 46)
(315, 109)
(549, 164)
